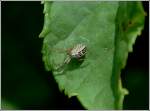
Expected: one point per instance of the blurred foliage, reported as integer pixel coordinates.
(26, 84)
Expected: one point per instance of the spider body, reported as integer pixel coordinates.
(78, 52)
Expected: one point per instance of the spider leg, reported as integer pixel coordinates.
(60, 69)
(58, 50)
(67, 60)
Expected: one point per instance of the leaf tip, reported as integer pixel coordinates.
(73, 94)
(125, 91)
(40, 35)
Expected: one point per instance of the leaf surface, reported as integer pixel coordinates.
(108, 38)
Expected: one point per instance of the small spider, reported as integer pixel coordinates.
(78, 52)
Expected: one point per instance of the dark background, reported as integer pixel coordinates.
(26, 84)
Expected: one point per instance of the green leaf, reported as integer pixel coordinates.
(129, 24)
(108, 29)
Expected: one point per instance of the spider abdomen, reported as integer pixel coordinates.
(78, 51)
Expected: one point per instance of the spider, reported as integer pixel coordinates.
(78, 52)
